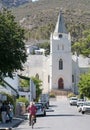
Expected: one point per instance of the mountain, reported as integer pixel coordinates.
(39, 18)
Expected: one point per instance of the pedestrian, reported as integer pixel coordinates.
(3, 112)
(10, 111)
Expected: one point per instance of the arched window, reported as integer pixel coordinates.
(62, 47)
(73, 78)
(60, 64)
(48, 78)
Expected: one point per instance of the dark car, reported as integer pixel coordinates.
(40, 110)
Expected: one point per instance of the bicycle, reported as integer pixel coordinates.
(33, 120)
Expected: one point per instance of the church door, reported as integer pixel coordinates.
(60, 84)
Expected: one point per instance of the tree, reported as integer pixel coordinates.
(24, 100)
(84, 85)
(83, 45)
(12, 46)
(38, 84)
(24, 83)
(76, 47)
(86, 47)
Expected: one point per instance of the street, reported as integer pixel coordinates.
(60, 116)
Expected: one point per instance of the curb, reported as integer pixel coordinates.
(17, 121)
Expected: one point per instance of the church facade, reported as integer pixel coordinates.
(60, 70)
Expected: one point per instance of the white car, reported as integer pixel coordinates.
(86, 107)
(79, 106)
(80, 102)
(73, 101)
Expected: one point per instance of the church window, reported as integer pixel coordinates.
(60, 64)
(62, 47)
(48, 78)
(72, 78)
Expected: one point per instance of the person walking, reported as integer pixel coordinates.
(3, 112)
(10, 111)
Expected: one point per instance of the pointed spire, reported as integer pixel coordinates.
(60, 26)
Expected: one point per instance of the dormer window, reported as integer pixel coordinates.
(60, 35)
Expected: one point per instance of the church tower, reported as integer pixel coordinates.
(60, 57)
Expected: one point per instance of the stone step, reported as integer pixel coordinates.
(60, 92)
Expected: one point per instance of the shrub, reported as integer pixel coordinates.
(52, 95)
(71, 95)
(24, 100)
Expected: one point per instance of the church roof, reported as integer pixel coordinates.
(60, 26)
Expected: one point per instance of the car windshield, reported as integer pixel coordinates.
(87, 103)
(38, 107)
(73, 98)
(80, 100)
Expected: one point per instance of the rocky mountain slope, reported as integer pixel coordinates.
(39, 18)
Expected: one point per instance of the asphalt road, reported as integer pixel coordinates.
(60, 116)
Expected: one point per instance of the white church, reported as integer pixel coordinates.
(60, 70)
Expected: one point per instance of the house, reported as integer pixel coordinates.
(12, 87)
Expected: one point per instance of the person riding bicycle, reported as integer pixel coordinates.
(32, 111)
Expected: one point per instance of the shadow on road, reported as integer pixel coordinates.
(62, 115)
(53, 106)
(41, 127)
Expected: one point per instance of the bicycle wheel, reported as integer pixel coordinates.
(32, 121)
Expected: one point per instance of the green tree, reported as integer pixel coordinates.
(83, 45)
(86, 47)
(12, 46)
(24, 83)
(38, 84)
(24, 100)
(76, 47)
(84, 85)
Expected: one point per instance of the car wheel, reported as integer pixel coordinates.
(83, 112)
(44, 113)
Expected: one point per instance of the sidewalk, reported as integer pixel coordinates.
(15, 122)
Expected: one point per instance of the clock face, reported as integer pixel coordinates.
(60, 35)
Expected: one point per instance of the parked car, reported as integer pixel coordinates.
(44, 98)
(86, 107)
(80, 106)
(40, 110)
(80, 102)
(73, 101)
(45, 104)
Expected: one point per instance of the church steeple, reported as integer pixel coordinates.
(60, 26)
